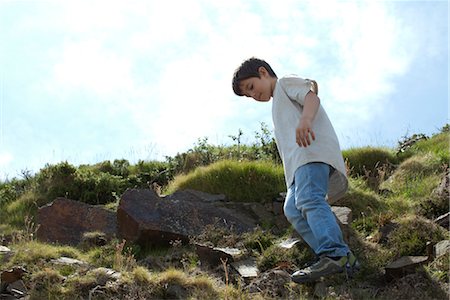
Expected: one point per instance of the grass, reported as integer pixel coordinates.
(245, 181)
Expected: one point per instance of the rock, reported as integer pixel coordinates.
(246, 268)
(213, 256)
(9, 277)
(146, 219)
(4, 250)
(193, 195)
(441, 248)
(64, 221)
(289, 243)
(68, 261)
(344, 216)
(442, 191)
(443, 220)
(403, 266)
(16, 290)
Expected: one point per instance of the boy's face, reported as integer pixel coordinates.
(260, 89)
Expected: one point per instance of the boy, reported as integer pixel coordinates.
(313, 165)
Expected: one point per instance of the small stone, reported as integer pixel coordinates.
(68, 261)
(442, 248)
(246, 268)
(4, 249)
(289, 243)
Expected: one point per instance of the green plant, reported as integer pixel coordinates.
(258, 240)
(239, 181)
(366, 160)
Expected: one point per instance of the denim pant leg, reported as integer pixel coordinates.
(307, 210)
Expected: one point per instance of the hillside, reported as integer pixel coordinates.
(395, 196)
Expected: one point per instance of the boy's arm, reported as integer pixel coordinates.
(304, 128)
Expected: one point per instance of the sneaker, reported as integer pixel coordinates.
(325, 266)
(352, 266)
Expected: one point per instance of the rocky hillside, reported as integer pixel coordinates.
(201, 242)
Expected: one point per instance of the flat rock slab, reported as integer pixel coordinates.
(146, 219)
(441, 248)
(404, 265)
(211, 256)
(246, 268)
(65, 221)
(68, 261)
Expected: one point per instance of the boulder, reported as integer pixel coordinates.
(65, 221)
(147, 219)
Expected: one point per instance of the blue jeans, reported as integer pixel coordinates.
(307, 209)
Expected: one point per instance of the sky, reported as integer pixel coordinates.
(89, 81)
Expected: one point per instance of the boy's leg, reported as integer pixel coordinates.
(295, 217)
(311, 187)
(316, 222)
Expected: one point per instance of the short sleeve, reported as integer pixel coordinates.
(296, 88)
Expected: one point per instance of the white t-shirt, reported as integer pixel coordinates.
(287, 108)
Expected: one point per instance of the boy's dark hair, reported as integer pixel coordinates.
(247, 69)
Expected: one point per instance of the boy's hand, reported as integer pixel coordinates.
(303, 133)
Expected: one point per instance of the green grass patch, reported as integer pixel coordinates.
(247, 181)
(438, 144)
(416, 177)
(35, 253)
(366, 160)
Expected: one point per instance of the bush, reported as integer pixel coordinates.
(366, 160)
(239, 181)
(145, 173)
(83, 184)
(57, 181)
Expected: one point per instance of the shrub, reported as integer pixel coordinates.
(57, 181)
(145, 173)
(362, 161)
(239, 181)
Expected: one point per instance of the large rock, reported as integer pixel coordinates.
(145, 218)
(65, 221)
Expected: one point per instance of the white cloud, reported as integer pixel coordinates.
(5, 158)
(89, 65)
(159, 72)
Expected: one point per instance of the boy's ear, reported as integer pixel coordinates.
(262, 71)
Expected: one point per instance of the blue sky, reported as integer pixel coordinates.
(87, 81)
